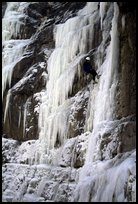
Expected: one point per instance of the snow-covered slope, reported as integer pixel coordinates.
(71, 138)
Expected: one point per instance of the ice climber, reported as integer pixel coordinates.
(87, 67)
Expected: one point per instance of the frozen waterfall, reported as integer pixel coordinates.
(71, 46)
(74, 153)
(102, 102)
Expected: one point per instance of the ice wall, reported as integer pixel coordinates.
(71, 46)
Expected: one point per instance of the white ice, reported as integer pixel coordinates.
(102, 11)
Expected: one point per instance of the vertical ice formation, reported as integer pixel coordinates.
(71, 45)
(7, 104)
(102, 103)
(20, 114)
(123, 22)
(102, 11)
(24, 118)
(104, 108)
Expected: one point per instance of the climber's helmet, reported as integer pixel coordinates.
(88, 58)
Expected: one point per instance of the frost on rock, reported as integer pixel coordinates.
(74, 151)
(15, 152)
(78, 113)
(37, 183)
(38, 98)
(111, 138)
(100, 178)
(9, 148)
(26, 152)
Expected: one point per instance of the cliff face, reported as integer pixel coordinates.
(54, 112)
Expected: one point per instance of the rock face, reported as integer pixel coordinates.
(127, 88)
(70, 138)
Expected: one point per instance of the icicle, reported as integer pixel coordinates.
(7, 104)
(25, 115)
(102, 11)
(19, 121)
(123, 22)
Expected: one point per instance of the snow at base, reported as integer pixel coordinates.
(23, 182)
(108, 181)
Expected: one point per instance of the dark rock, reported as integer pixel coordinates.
(20, 93)
(126, 96)
(4, 5)
(126, 7)
(128, 137)
(119, 139)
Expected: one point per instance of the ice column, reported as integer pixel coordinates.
(7, 105)
(102, 11)
(102, 108)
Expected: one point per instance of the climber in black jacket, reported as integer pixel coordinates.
(87, 67)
